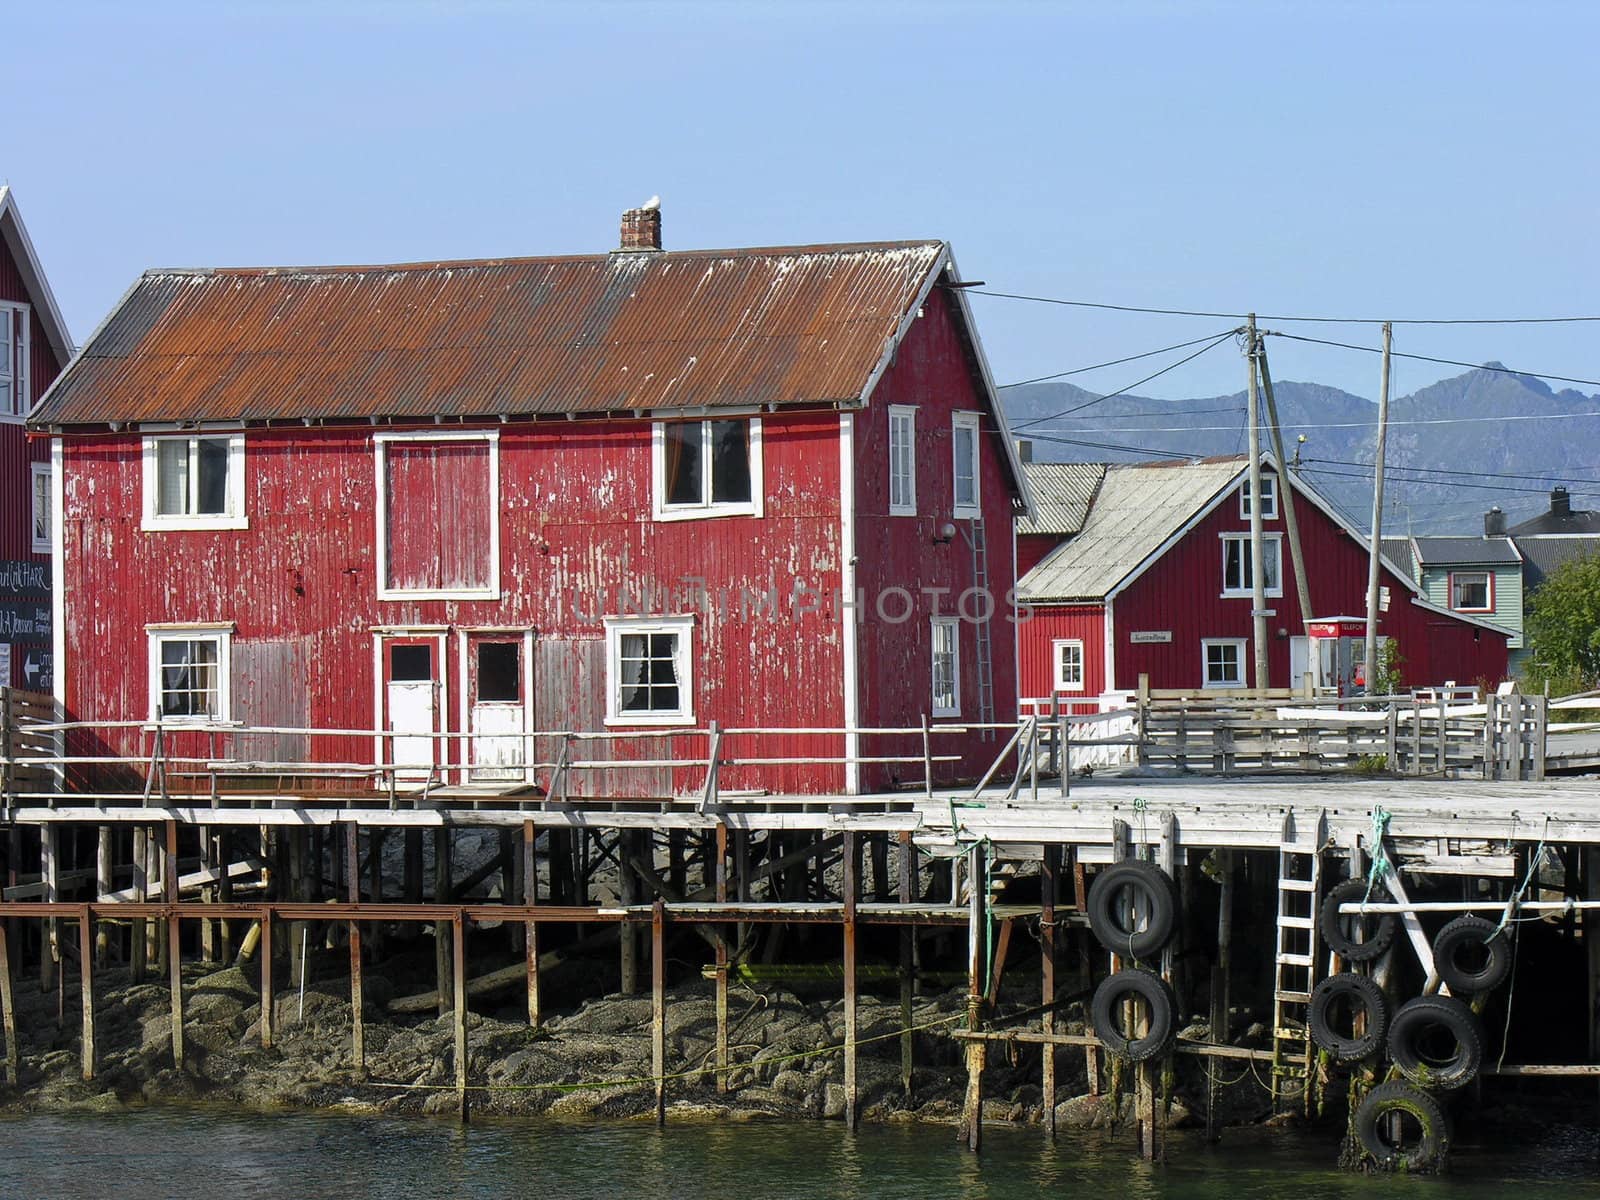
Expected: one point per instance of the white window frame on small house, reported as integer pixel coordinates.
(1066, 657)
(1457, 577)
(662, 509)
(945, 677)
(1239, 646)
(902, 460)
(1243, 587)
(380, 447)
(232, 516)
(39, 494)
(682, 654)
(15, 357)
(965, 421)
(1269, 498)
(220, 636)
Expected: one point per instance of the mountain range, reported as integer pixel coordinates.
(1455, 448)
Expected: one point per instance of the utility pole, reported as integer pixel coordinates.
(1370, 659)
(1286, 498)
(1258, 575)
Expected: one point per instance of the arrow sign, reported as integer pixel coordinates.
(30, 669)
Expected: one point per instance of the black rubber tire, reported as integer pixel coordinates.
(1359, 990)
(1159, 1000)
(1156, 897)
(1471, 933)
(1426, 1017)
(1429, 1153)
(1379, 927)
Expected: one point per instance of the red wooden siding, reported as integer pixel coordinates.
(932, 371)
(1032, 549)
(438, 515)
(16, 477)
(1082, 622)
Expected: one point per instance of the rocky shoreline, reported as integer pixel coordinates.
(592, 1061)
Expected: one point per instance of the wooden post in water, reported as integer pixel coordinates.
(138, 937)
(1048, 875)
(8, 1006)
(458, 974)
(86, 981)
(50, 948)
(267, 999)
(908, 933)
(442, 929)
(850, 887)
(169, 880)
(102, 887)
(628, 844)
(358, 1036)
(972, 1102)
(721, 882)
(530, 933)
(658, 1007)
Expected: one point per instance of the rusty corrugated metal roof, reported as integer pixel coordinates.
(598, 333)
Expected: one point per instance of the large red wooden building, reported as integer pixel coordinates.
(1144, 569)
(643, 490)
(34, 346)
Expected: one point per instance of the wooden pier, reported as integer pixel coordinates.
(147, 862)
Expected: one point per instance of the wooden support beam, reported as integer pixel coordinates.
(658, 1007)
(908, 876)
(631, 846)
(530, 931)
(86, 958)
(139, 937)
(441, 930)
(851, 885)
(458, 974)
(50, 948)
(1048, 883)
(268, 1001)
(8, 1006)
(169, 876)
(972, 1102)
(721, 883)
(358, 1036)
(102, 885)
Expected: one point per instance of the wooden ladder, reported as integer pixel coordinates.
(1299, 892)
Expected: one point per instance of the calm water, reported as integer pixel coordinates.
(174, 1153)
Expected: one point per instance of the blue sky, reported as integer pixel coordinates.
(1403, 160)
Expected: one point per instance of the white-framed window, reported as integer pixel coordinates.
(706, 469)
(438, 515)
(1067, 654)
(1237, 577)
(964, 457)
(40, 504)
(190, 672)
(1269, 497)
(14, 348)
(649, 670)
(902, 460)
(1472, 591)
(194, 481)
(946, 667)
(1222, 662)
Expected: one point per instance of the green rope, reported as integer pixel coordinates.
(1381, 866)
(1533, 865)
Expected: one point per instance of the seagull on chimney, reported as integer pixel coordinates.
(651, 204)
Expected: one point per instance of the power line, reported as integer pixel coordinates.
(1453, 362)
(1449, 483)
(1165, 452)
(1338, 424)
(1112, 363)
(1474, 474)
(1190, 312)
(1211, 345)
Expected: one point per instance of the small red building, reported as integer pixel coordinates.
(643, 490)
(1145, 569)
(34, 346)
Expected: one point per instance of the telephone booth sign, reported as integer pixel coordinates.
(1337, 650)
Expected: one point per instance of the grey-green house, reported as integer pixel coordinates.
(1477, 575)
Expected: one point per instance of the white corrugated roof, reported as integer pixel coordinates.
(1138, 507)
(1062, 493)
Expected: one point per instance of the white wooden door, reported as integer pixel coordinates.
(497, 709)
(413, 708)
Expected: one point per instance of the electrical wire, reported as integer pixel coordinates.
(1210, 345)
(1340, 462)
(1189, 312)
(1389, 474)
(1452, 362)
(1111, 363)
(1291, 425)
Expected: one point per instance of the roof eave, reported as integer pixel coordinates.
(33, 276)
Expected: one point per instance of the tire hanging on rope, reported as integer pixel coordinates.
(1364, 998)
(1377, 929)
(1435, 1042)
(1142, 929)
(1472, 956)
(1160, 1005)
(1431, 1130)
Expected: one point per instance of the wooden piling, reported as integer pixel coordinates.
(530, 933)
(169, 880)
(721, 879)
(1048, 882)
(50, 948)
(908, 933)
(976, 1048)
(658, 1007)
(102, 888)
(267, 999)
(850, 888)
(441, 929)
(8, 1007)
(629, 844)
(358, 1036)
(458, 975)
(138, 939)
(86, 981)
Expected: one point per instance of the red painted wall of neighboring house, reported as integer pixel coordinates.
(935, 372)
(1032, 549)
(16, 488)
(1182, 594)
(1083, 622)
(577, 540)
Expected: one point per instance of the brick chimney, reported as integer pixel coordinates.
(641, 227)
(1560, 503)
(1494, 523)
